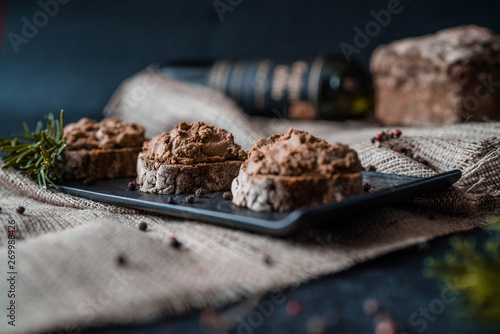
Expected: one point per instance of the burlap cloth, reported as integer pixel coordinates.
(67, 248)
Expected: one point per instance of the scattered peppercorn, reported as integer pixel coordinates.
(88, 181)
(190, 199)
(293, 307)
(316, 325)
(371, 306)
(383, 136)
(171, 200)
(227, 195)
(268, 260)
(208, 317)
(200, 192)
(386, 326)
(175, 243)
(121, 260)
(370, 168)
(384, 323)
(367, 187)
(131, 185)
(0, 209)
(143, 226)
(20, 209)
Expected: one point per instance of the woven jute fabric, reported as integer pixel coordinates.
(82, 263)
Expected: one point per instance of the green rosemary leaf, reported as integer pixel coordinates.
(52, 183)
(61, 126)
(22, 155)
(43, 177)
(43, 151)
(39, 126)
(8, 148)
(28, 166)
(25, 148)
(58, 131)
(474, 272)
(60, 150)
(50, 140)
(28, 137)
(37, 154)
(38, 161)
(50, 125)
(26, 130)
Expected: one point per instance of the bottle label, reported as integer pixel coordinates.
(270, 88)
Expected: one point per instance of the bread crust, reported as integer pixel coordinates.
(287, 193)
(160, 178)
(100, 163)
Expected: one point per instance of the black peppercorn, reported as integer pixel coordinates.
(227, 195)
(121, 260)
(200, 192)
(175, 243)
(171, 200)
(143, 226)
(88, 181)
(20, 210)
(190, 199)
(131, 185)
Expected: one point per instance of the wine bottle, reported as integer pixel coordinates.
(324, 87)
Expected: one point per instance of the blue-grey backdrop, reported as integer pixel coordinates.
(72, 54)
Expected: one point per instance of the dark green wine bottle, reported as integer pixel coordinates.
(321, 88)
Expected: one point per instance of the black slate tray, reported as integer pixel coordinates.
(386, 189)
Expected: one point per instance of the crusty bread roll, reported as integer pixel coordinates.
(189, 157)
(286, 172)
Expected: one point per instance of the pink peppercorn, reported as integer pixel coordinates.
(293, 307)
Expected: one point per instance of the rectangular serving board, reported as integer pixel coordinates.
(386, 189)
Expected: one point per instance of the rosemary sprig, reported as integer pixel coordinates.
(474, 274)
(37, 154)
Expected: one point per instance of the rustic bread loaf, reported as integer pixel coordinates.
(285, 172)
(189, 157)
(447, 77)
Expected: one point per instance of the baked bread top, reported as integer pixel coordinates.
(193, 143)
(446, 47)
(110, 133)
(298, 153)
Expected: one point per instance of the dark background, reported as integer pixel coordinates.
(82, 54)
